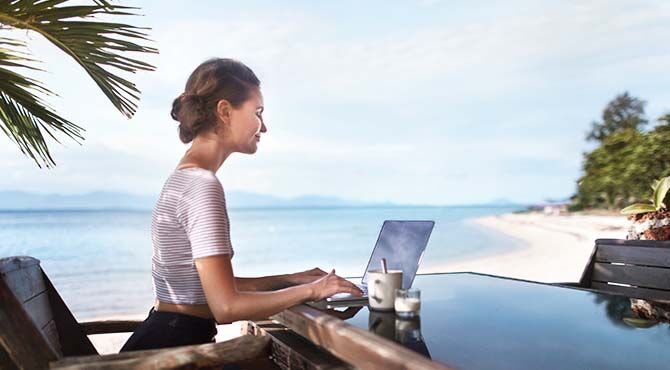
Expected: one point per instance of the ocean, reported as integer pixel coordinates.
(100, 261)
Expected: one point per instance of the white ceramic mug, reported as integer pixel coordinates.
(381, 288)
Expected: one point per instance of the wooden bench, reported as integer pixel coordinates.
(635, 268)
(38, 331)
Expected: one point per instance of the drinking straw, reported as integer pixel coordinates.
(384, 268)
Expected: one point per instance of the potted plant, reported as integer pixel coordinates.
(651, 221)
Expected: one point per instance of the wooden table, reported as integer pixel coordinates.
(473, 321)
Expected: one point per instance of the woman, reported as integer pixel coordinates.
(220, 112)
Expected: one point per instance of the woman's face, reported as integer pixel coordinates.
(246, 123)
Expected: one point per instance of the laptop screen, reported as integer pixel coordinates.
(402, 243)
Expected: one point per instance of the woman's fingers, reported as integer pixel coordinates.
(351, 288)
(345, 286)
(332, 284)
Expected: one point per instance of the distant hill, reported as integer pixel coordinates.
(18, 200)
(503, 202)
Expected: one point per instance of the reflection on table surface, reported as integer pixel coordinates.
(472, 321)
(406, 332)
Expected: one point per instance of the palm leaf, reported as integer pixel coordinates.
(103, 3)
(23, 112)
(638, 208)
(661, 191)
(95, 45)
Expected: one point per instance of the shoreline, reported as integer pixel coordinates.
(555, 248)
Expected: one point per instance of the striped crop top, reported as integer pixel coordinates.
(189, 221)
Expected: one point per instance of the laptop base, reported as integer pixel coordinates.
(326, 305)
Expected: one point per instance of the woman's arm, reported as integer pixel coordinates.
(274, 282)
(228, 303)
(262, 284)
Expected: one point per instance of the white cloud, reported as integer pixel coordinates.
(398, 115)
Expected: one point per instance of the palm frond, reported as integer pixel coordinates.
(23, 112)
(95, 45)
(103, 3)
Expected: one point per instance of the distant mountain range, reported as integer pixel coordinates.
(18, 200)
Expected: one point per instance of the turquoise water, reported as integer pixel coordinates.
(100, 261)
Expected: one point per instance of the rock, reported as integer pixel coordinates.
(650, 226)
(650, 310)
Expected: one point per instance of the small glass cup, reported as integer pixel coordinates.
(407, 302)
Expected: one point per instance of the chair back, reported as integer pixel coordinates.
(36, 326)
(635, 268)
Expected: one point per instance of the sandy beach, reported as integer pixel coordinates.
(553, 249)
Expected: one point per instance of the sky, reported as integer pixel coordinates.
(424, 102)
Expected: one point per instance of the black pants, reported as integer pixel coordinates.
(170, 329)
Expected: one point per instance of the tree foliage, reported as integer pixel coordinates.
(618, 172)
(624, 112)
(665, 119)
(101, 49)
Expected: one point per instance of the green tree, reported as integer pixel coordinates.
(619, 171)
(652, 160)
(622, 113)
(664, 119)
(99, 47)
(608, 171)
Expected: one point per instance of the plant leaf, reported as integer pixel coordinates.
(93, 44)
(638, 208)
(661, 191)
(104, 3)
(24, 116)
(96, 46)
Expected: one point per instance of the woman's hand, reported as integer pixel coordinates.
(332, 284)
(306, 277)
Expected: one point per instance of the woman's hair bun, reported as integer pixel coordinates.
(192, 113)
(189, 100)
(212, 81)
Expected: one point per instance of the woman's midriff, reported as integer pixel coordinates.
(199, 310)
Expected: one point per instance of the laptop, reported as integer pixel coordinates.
(402, 243)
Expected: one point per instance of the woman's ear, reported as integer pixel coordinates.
(223, 109)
